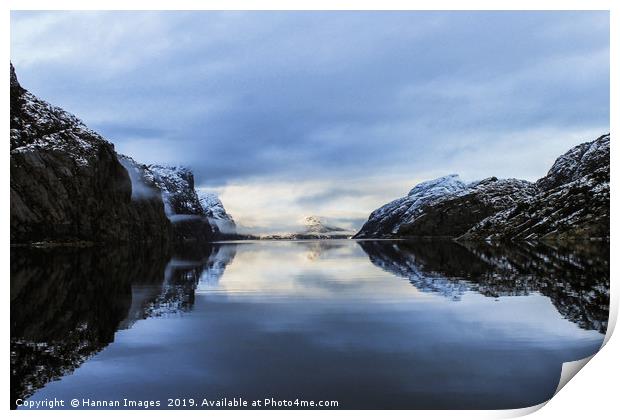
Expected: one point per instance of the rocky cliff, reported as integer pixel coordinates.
(67, 184)
(175, 186)
(571, 202)
(216, 213)
(454, 214)
(189, 221)
(387, 220)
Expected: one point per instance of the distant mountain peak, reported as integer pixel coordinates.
(444, 184)
(314, 224)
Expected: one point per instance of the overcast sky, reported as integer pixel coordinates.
(288, 114)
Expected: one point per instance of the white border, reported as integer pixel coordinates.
(591, 395)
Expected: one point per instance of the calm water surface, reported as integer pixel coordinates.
(371, 324)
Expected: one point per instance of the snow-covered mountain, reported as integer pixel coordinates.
(187, 208)
(67, 184)
(314, 227)
(215, 211)
(387, 220)
(571, 201)
(454, 214)
(182, 199)
(177, 186)
(314, 224)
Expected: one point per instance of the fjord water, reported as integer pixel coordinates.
(370, 324)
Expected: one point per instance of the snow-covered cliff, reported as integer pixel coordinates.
(572, 201)
(215, 211)
(387, 220)
(67, 184)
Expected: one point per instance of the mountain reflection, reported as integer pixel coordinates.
(316, 250)
(68, 303)
(574, 276)
(303, 304)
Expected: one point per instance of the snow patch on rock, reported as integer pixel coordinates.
(215, 211)
(388, 219)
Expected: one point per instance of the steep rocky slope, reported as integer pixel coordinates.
(189, 221)
(67, 184)
(571, 202)
(387, 220)
(215, 211)
(175, 186)
(454, 214)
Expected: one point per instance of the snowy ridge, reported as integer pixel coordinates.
(38, 125)
(182, 203)
(314, 224)
(577, 163)
(67, 183)
(314, 227)
(174, 184)
(571, 201)
(177, 186)
(215, 211)
(388, 219)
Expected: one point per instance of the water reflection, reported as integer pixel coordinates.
(68, 303)
(575, 277)
(475, 325)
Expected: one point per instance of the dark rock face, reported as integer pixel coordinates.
(183, 207)
(215, 211)
(571, 202)
(387, 220)
(175, 186)
(456, 214)
(67, 184)
(579, 162)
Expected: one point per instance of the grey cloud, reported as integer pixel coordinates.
(329, 195)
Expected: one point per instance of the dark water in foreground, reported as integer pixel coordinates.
(371, 324)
